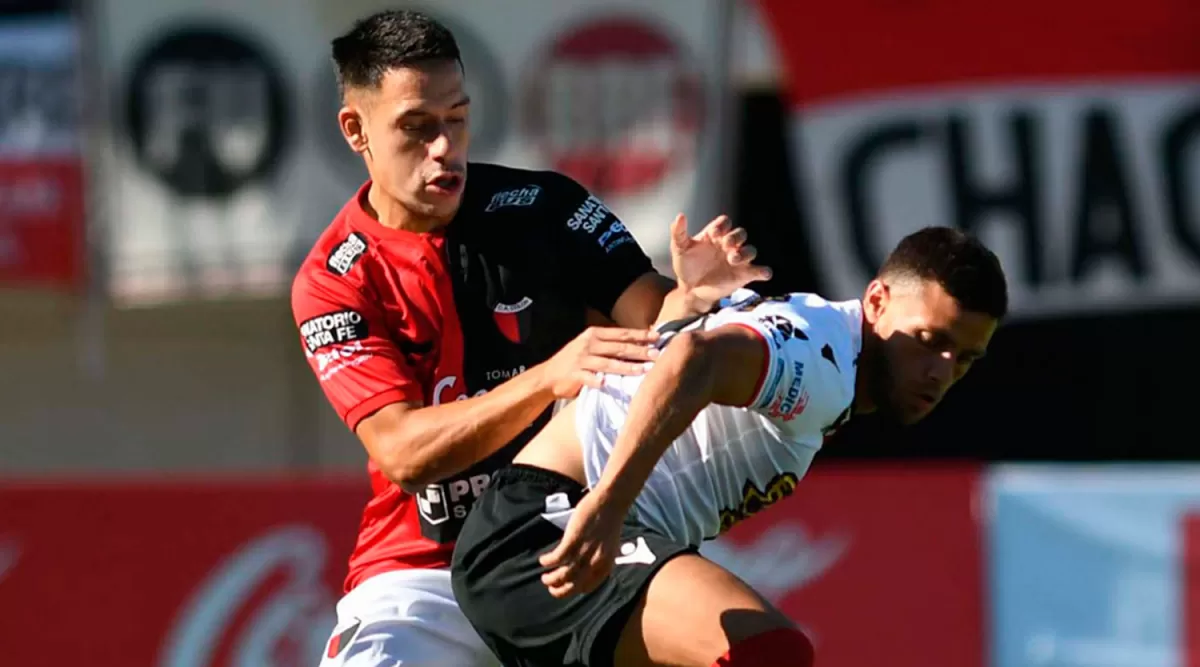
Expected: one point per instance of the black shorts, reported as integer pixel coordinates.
(497, 577)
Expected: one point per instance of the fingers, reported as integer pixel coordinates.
(619, 335)
(581, 576)
(743, 255)
(734, 240)
(555, 556)
(679, 235)
(761, 273)
(592, 379)
(719, 227)
(623, 351)
(606, 365)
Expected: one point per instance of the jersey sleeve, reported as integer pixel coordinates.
(344, 337)
(605, 257)
(788, 380)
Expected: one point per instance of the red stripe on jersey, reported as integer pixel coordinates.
(766, 362)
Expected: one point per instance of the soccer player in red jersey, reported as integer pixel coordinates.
(443, 315)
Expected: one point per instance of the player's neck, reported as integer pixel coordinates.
(864, 371)
(394, 215)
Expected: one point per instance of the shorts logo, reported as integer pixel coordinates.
(754, 501)
(635, 553)
(342, 326)
(343, 257)
(339, 641)
(520, 197)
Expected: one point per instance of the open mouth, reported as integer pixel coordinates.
(447, 183)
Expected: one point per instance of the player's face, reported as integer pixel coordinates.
(415, 131)
(928, 343)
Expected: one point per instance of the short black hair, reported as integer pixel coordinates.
(960, 263)
(388, 40)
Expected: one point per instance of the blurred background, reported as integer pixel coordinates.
(175, 491)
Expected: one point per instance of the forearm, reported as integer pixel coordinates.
(438, 441)
(654, 299)
(678, 387)
(681, 303)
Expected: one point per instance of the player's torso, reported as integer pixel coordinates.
(733, 462)
(477, 304)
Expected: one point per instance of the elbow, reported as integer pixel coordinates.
(408, 474)
(407, 477)
(403, 464)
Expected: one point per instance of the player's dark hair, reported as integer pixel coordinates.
(960, 263)
(389, 40)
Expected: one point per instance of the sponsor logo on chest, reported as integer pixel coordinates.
(520, 197)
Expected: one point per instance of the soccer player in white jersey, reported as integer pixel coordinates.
(584, 551)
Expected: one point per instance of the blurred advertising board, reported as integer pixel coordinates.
(181, 573)
(224, 159)
(42, 226)
(233, 572)
(881, 565)
(1066, 134)
(1094, 566)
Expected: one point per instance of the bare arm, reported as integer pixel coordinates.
(724, 365)
(654, 298)
(415, 445)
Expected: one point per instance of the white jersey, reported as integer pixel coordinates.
(732, 462)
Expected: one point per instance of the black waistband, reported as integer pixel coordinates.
(519, 472)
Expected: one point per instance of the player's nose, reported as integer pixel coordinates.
(440, 147)
(940, 371)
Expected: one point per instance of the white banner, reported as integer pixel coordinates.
(223, 160)
(1066, 135)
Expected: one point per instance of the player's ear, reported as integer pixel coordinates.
(875, 300)
(354, 130)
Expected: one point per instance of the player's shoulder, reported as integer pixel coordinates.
(494, 188)
(801, 315)
(332, 270)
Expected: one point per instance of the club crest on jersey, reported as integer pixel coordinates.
(513, 319)
(346, 253)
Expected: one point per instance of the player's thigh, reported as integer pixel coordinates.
(403, 642)
(691, 613)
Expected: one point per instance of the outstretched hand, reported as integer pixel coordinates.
(715, 262)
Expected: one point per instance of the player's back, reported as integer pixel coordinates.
(732, 462)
